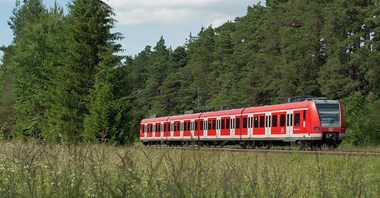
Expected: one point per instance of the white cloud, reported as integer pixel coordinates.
(127, 4)
(209, 12)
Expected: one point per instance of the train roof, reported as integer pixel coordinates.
(184, 117)
(221, 113)
(159, 119)
(278, 107)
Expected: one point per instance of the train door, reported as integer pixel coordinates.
(232, 126)
(162, 130)
(198, 128)
(205, 125)
(145, 131)
(268, 128)
(259, 124)
(238, 127)
(211, 130)
(181, 128)
(192, 127)
(289, 123)
(153, 130)
(166, 130)
(172, 126)
(250, 128)
(299, 124)
(218, 127)
(158, 131)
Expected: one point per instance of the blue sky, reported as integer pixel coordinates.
(143, 22)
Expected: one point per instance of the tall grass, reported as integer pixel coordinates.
(40, 170)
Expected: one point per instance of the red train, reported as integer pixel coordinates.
(313, 121)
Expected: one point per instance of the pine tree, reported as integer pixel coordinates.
(105, 111)
(88, 25)
(29, 66)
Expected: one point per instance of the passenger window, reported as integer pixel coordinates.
(213, 124)
(297, 117)
(238, 123)
(244, 123)
(201, 125)
(196, 125)
(282, 120)
(227, 123)
(304, 114)
(261, 121)
(256, 122)
(274, 121)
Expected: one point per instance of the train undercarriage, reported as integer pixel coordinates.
(330, 140)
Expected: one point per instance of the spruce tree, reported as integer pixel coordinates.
(88, 24)
(106, 113)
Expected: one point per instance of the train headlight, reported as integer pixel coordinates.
(316, 128)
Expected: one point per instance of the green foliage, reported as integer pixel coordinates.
(362, 117)
(61, 79)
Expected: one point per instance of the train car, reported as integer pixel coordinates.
(312, 121)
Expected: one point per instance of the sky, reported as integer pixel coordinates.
(143, 22)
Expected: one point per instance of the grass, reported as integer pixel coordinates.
(40, 170)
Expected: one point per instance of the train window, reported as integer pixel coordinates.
(282, 120)
(238, 123)
(262, 121)
(274, 121)
(304, 114)
(227, 123)
(256, 122)
(209, 124)
(297, 117)
(223, 124)
(290, 120)
(196, 125)
(201, 125)
(244, 123)
(188, 126)
(213, 124)
(268, 121)
(250, 122)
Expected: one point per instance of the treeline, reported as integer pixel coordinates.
(63, 81)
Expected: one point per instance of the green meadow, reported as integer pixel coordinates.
(32, 169)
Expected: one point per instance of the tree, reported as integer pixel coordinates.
(88, 24)
(105, 111)
(33, 26)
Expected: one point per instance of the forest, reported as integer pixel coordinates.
(63, 79)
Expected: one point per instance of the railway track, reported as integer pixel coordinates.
(277, 151)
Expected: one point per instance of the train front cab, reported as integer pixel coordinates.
(330, 122)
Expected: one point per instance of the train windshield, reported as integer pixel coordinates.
(329, 114)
